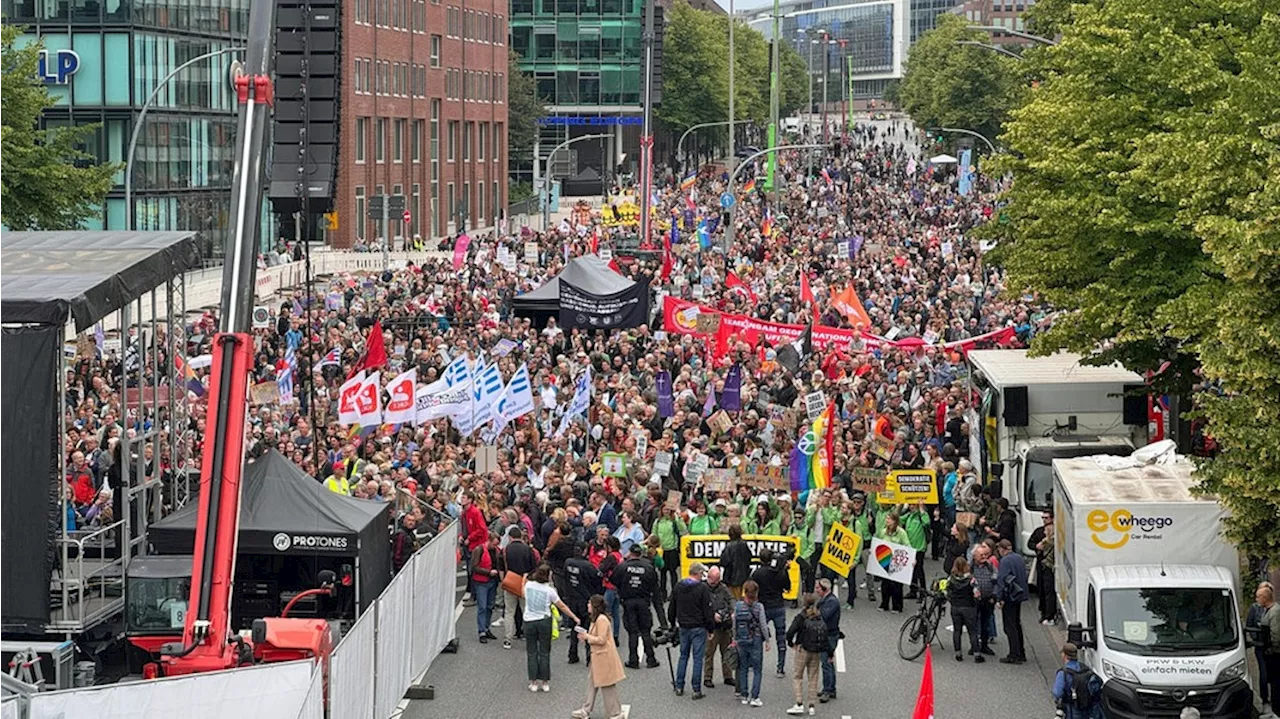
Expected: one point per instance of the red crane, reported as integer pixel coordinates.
(208, 642)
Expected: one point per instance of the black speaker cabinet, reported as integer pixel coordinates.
(1135, 405)
(1016, 412)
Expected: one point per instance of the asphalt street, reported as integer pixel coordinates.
(488, 681)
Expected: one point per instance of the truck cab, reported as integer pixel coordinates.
(1164, 637)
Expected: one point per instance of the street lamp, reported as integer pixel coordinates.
(1006, 31)
(993, 48)
(733, 177)
(142, 116)
(700, 125)
(732, 22)
(970, 133)
(546, 176)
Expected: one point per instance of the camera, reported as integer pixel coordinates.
(671, 635)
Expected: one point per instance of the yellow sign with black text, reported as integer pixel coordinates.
(841, 551)
(908, 486)
(707, 549)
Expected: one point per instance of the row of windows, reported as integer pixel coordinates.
(477, 139)
(600, 86)
(485, 212)
(393, 14)
(399, 79)
(570, 40)
(475, 25)
(577, 8)
(214, 17)
(475, 85)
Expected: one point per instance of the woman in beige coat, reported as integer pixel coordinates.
(606, 665)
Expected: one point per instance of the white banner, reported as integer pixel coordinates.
(348, 408)
(894, 562)
(369, 401)
(268, 691)
(516, 399)
(403, 393)
(441, 402)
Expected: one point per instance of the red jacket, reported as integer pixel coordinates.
(82, 490)
(477, 530)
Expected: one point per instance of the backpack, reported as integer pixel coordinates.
(814, 635)
(744, 622)
(1079, 693)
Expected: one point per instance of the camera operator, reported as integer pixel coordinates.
(690, 610)
(582, 580)
(636, 579)
(774, 578)
(721, 636)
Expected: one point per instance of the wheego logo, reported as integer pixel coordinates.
(1122, 522)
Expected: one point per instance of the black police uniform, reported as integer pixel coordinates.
(636, 580)
(582, 580)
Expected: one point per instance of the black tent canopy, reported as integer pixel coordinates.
(285, 512)
(53, 277)
(588, 273)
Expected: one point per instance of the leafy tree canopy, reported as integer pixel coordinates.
(524, 110)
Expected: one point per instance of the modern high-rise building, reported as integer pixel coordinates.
(423, 115)
(102, 60)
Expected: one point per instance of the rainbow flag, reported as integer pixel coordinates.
(189, 376)
(823, 432)
(750, 186)
(766, 227)
(688, 182)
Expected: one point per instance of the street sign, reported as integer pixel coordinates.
(726, 200)
(406, 217)
(395, 204)
(375, 207)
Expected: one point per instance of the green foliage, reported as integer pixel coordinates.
(951, 85)
(46, 180)
(794, 81)
(1046, 17)
(1144, 205)
(519, 192)
(524, 110)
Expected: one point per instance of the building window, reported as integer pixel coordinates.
(359, 219)
(450, 207)
(466, 140)
(483, 138)
(362, 12)
(436, 40)
(397, 142)
(415, 141)
(368, 76)
(380, 141)
(451, 141)
(362, 134)
(415, 210)
(480, 204)
(451, 22)
(497, 140)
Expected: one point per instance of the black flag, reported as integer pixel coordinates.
(792, 354)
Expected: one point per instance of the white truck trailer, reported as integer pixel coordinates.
(1032, 410)
(1149, 587)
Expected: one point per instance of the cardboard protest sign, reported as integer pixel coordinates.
(882, 447)
(907, 486)
(841, 550)
(719, 480)
(763, 475)
(894, 562)
(814, 404)
(613, 464)
(264, 393)
(720, 422)
(673, 498)
(662, 463)
(708, 548)
(870, 481)
(707, 322)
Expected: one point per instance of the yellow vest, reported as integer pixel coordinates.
(338, 485)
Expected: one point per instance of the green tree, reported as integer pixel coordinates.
(794, 83)
(524, 110)
(47, 182)
(695, 69)
(1144, 206)
(951, 85)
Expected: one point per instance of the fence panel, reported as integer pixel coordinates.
(395, 613)
(313, 705)
(433, 598)
(269, 691)
(351, 669)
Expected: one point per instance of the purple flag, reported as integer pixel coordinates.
(799, 470)
(855, 246)
(710, 405)
(666, 403)
(731, 397)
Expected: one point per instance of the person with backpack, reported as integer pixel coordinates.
(962, 595)
(751, 638)
(1076, 689)
(807, 636)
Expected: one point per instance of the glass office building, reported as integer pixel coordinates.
(585, 57)
(121, 50)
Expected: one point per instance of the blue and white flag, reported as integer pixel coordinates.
(580, 402)
(285, 381)
(484, 394)
(516, 399)
(966, 173)
(457, 372)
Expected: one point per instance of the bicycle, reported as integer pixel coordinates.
(920, 630)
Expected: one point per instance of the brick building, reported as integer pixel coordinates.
(423, 115)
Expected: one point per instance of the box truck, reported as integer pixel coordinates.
(1029, 411)
(1149, 587)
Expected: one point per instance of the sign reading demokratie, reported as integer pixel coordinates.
(708, 548)
(629, 308)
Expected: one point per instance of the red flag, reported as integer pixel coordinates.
(595, 241)
(668, 262)
(732, 282)
(721, 346)
(375, 352)
(806, 292)
(613, 265)
(924, 702)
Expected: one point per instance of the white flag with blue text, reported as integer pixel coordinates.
(578, 405)
(516, 399)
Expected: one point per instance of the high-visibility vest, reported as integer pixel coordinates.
(338, 485)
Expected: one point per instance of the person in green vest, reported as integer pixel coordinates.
(795, 527)
(863, 523)
(916, 522)
(762, 518)
(669, 527)
(703, 523)
(719, 512)
(820, 515)
(890, 591)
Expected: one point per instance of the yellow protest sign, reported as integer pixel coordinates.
(841, 551)
(908, 486)
(707, 549)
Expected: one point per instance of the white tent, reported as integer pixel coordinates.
(942, 160)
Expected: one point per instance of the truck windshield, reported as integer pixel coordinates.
(157, 604)
(1037, 487)
(1169, 620)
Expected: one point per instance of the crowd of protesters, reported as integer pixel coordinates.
(541, 507)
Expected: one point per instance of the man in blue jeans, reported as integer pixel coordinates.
(774, 578)
(690, 610)
(829, 608)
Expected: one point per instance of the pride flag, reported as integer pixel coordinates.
(766, 227)
(750, 186)
(189, 376)
(688, 182)
(823, 432)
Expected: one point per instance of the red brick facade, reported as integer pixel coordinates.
(401, 59)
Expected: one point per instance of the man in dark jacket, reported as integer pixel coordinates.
(636, 579)
(405, 542)
(1011, 591)
(522, 559)
(736, 560)
(721, 636)
(582, 580)
(829, 608)
(690, 610)
(775, 580)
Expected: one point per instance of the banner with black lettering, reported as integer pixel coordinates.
(707, 549)
(628, 308)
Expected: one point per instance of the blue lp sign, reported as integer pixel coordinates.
(57, 66)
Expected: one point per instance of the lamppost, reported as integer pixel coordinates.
(775, 102)
(699, 126)
(1006, 31)
(732, 22)
(993, 48)
(970, 133)
(546, 176)
(733, 177)
(142, 116)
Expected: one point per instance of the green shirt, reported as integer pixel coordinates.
(898, 537)
(703, 524)
(917, 526)
(669, 531)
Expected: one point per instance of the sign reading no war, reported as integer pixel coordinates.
(708, 548)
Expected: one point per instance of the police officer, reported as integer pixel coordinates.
(582, 580)
(636, 580)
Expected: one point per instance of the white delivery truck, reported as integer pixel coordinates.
(1149, 587)
(1030, 411)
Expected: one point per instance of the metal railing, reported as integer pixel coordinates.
(84, 590)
